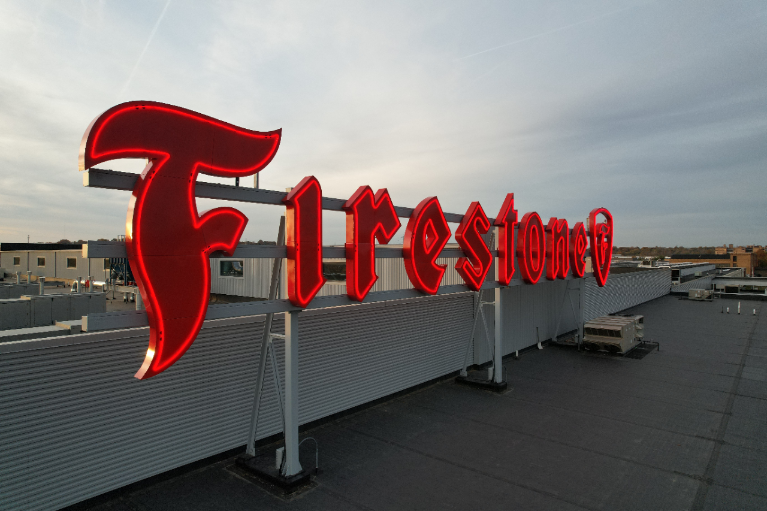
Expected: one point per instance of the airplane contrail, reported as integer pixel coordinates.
(548, 32)
(146, 46)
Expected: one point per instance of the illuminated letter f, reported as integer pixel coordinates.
(168, 243)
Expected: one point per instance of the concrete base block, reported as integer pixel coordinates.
(479, 383)
(264, 469)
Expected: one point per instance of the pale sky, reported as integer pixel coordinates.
(655, 110)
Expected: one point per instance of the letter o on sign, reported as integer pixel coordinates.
(531, 247)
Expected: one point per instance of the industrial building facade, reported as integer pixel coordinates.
(746, 259)
(54, 261)
(77, 424)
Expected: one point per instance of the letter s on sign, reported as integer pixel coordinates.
(165, 236)
(473, 269)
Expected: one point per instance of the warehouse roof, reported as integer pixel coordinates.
(682, 428)
(18, 247)
(700, 256)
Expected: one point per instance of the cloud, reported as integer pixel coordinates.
(653, 110)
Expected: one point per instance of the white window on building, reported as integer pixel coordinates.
(71, 262)
(231, 269)
(17, 261)
(41, 262)
(334, 271)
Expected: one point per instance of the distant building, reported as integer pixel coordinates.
(725, 257)
(54, 261)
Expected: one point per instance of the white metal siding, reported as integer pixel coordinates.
(392, 275)
(692, 271)
(82, 269)
(535, 313)
(6, 261)
(257, 276)
(701, 283)
(624, 291)
(255, 281)
(76, 424)
(55, 264)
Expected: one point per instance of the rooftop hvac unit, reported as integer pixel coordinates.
(617, 334)
(699, 294)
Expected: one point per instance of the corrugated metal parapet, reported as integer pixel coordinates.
(75, 423)
(624, 291)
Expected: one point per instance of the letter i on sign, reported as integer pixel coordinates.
(303, 227)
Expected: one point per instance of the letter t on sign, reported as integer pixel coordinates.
(506, 222)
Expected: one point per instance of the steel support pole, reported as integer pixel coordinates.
(477, 308)
(499, 328)
(265, 341)
(292, 465)
(581, 303)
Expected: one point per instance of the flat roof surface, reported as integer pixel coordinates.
(14, 247)
(683, 428)
(700, 256)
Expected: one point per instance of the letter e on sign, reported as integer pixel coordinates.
(578, 250)
(426, 235)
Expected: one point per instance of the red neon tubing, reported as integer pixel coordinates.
(578, 243)
(601, 235)
(473, 269)
(368, 217)
(426, 235)
(531, 247)
(165, 236)
(506, 221)
(303, 225)
(557, 248)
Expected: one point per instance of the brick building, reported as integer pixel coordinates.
(725, 257)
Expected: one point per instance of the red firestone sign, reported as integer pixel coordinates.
(167, 237)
